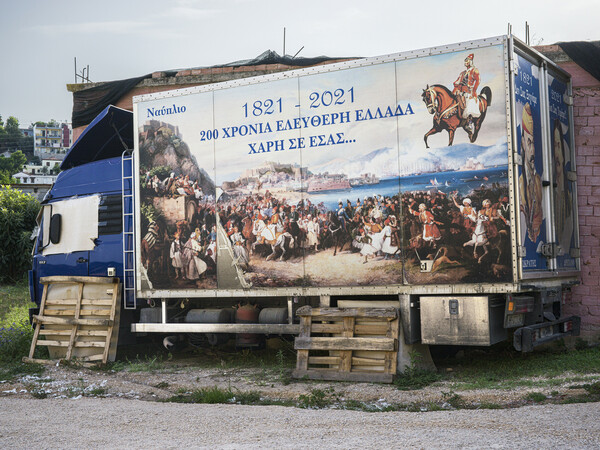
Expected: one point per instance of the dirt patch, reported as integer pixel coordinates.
(184, 376)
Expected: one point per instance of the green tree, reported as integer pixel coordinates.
(14, 163)
(18, 212)
(11, 137)
(5, 178)
(12, 128)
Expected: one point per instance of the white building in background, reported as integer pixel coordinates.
(41, 179)
(52, 140)
(49, 165)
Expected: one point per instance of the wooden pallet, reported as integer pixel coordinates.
(347, 344)
(79, 318)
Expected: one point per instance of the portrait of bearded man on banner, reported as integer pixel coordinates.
(530, 182)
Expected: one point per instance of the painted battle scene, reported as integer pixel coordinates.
(452, 238)
(283, 241)
(178, 223)
(455, 226)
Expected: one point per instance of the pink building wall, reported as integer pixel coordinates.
(585, 301)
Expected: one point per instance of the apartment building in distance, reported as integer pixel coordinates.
(52, 140)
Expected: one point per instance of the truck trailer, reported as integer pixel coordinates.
(441, 180)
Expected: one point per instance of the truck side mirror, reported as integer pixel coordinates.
(55, 228)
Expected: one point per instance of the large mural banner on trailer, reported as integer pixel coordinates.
(382, 174)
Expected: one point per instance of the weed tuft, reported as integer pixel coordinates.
(593, 389)
(96, 392)
(415, 377)
(453, 400)
(317, 399)
(536, 397)
(216, 394)
(37, 392)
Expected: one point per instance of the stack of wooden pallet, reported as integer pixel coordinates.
(349, 344)
(78, 319)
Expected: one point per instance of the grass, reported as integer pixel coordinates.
(415, 377)
(536, 397)
(14, 303)
(16, 332)
(215, 395)
(504, 368)
(9, 371)
(317, 399)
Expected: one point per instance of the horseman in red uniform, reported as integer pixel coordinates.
(465, 90)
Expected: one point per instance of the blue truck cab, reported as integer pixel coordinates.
(81, 220)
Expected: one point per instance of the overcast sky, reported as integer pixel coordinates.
(128, 38)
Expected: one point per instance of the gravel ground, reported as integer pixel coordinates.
(86, 408)
(121, 423)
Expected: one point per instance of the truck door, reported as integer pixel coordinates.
(109, 245)
(532, 183)
(69, 232)
(564, 194)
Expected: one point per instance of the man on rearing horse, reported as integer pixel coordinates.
(465, 90)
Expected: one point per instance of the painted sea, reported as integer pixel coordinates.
(463, 182)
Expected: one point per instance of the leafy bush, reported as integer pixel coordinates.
(17, 220)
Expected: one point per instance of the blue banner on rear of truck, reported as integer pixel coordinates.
(531, 172)
(562, 164)
(375, 175)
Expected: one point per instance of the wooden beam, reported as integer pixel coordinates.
(324, 360)
(74, 280)
(65, 321)
(73, 302)
(81, 344)
(342, 343)
(344, 376)
(325, 313)
(333, 328)
(93, 333)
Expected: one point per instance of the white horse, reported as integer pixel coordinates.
(479, 237)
